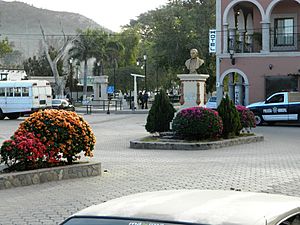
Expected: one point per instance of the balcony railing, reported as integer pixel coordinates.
(253, 43)
(249, 44)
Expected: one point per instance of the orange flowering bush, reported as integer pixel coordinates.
(64, 133)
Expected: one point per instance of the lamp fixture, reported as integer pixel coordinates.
(231, 52)
(270, 66)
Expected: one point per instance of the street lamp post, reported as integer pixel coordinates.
(98, 69)
(114, 65)
(145, 74)
(71, 78)
(145, 66)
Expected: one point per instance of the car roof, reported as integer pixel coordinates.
(200, 206)
(59, 100)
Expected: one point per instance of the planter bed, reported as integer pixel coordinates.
(30, 177)
(173, 144)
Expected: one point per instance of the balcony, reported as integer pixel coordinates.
(253, 43)
(246, 44)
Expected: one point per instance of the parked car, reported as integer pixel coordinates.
(212, 103)
(62, 104)
(210, 207)
(282, 106)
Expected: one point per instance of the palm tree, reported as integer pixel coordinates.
(89, 44)
(114, 50)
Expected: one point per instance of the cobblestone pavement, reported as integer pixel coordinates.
(271, 166)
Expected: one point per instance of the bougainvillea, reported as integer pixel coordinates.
(197, 123)
(246, 117)
(63, 132)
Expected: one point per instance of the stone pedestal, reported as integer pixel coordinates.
(192, 89)
(100, 87)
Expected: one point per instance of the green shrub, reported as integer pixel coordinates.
(160, 114)
(197, 123)
(230, 117)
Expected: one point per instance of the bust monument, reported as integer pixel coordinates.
(194, 62)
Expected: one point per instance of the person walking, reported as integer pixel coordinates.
(141, 100)
(145, 99)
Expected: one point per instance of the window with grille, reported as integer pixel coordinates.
(284, 32)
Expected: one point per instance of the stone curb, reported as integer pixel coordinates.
(173, 145)
(25, 178)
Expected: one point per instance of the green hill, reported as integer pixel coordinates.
(20, 22)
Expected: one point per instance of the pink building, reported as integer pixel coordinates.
(258, 51)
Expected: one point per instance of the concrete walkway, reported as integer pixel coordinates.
(271, 166)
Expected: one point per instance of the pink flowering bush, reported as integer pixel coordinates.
(246, 117)
(198, 123)
(24, 149)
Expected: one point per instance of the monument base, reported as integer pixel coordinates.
(192, 90)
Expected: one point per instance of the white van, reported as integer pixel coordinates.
(22, 97)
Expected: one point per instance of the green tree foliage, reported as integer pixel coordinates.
(39, 66)
(88, 44)
(5, 47)
(167, 35)
(13, 59)
(230, 117)
(128, 38)
(160, 114)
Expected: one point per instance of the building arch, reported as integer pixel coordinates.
(234, 2)
(225, 73)
(271, 7)
(242, 87)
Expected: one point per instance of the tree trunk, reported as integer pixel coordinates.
(85, 80)
(60, 82)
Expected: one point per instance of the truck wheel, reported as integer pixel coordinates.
(258, 120)
(2, 115)
(13, 116)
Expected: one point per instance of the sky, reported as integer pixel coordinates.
(108, 13)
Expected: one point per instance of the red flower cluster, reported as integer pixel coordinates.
(246, 117)
(24, 148)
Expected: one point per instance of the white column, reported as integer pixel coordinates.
(219, 94)
(219, 27)
(100, 86)
(218, 83)
(242, 39)
(225, 38)
(231, 86)
(246, 94)
(232, 38)
(135, 100)
(96, 88)
(239, 91)
(265, 37)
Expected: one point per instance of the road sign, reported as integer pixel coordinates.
(110, 89)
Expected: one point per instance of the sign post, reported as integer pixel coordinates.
(110, 90)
